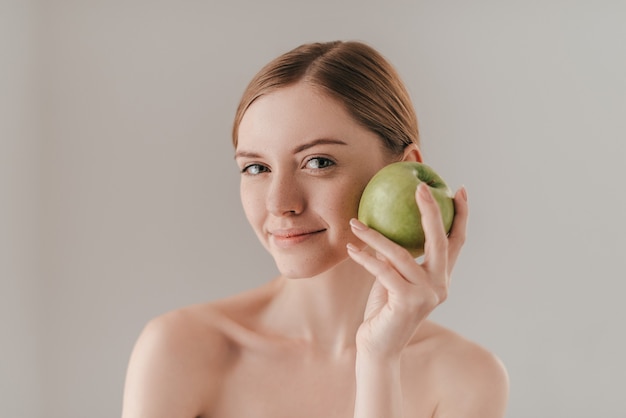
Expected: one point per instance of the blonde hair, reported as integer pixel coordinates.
(351, 72)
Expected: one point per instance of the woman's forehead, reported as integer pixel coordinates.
(297, 112)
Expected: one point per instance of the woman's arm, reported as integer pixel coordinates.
(379, 392)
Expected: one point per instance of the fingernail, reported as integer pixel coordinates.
(464, 193)
(352, 248)
(356, 224)
(422, 188)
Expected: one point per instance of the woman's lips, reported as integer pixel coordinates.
(290, 237)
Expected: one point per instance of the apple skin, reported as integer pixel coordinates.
(388, 203)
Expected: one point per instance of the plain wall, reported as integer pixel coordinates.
(122, 196)
(20, 279)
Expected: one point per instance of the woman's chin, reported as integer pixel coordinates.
(309, 268)
(299, 272)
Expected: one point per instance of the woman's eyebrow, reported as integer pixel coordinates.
(246, 154)
(299, 148)
(320, 141)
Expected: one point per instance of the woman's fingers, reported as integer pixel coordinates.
(458, 232)
(391, 252)
(436, 244)
(381, 269)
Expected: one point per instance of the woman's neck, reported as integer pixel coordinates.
(325, 310)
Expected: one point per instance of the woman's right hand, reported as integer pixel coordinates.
(406, 292)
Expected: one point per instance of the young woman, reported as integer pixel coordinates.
(343, 331)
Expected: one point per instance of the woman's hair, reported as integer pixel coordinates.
(351, 72)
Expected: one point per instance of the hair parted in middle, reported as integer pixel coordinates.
(351, 72)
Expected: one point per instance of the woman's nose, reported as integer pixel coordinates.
(284, 196)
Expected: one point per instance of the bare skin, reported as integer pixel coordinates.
(344, 330)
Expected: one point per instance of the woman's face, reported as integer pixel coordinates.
(304, 164)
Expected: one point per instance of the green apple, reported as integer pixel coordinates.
(388, 203)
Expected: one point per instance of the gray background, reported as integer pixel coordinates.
(119, 194)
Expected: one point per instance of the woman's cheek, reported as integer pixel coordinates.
(349, 201)
(252, 204)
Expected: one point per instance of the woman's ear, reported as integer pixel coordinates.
(412, 153)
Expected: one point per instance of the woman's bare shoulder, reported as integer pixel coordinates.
(195, 328)
(472, 381)
(181, 356)
(215, 323)
(210, 328)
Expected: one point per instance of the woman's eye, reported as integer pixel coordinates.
(254, 169)
(319, 162)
